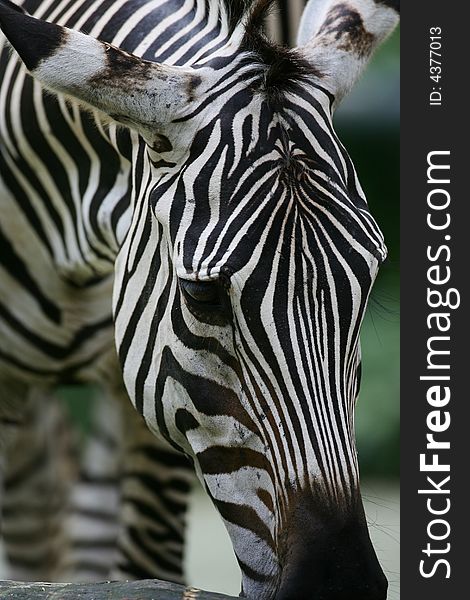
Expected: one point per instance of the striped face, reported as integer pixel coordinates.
(258, 260)
(243, 279)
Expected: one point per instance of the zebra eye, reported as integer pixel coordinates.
(204, 292)
(206, 300)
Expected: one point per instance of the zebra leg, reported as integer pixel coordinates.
(14, 398)
(156, 484)
(92, 525)
(38, 473)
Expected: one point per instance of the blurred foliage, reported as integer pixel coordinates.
(378, 407)
(376, 157)
(78, 400)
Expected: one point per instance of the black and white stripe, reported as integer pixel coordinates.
(244, 257)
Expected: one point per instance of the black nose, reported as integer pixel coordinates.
(330, 559)
(342, 588)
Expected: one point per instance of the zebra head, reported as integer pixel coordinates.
(243, 279)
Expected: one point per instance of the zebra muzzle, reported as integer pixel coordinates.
(329, 556)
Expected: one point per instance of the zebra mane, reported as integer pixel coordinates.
(238, 10)
(282, 68)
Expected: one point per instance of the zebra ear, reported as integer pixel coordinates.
(340, 36)
(140, 94)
